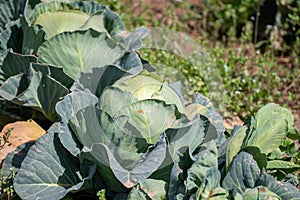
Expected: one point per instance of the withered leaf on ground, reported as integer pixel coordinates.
(17, 133)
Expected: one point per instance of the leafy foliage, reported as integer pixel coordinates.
(118, 131)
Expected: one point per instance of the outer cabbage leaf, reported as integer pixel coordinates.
(235, 144)
(243, 173)
(207, 160)
(148, 163)
(10, 10)
(15, 64)
(202, 105)
(273, 110)
(188, 137)
(21, 38)
(49, 171)
(11, 37)
(33, 37)
(271, 127)
(148, 189)
(42, 93)
(79, 51)
(270, 135)
(260, 193)
(67, 109)
(285, 191)
(74, 102)
(98, 78)
(15, 158)
(58, 17)
(245, 178)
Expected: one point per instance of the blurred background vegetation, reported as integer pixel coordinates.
(255, 44)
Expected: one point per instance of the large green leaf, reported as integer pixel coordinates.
(49, 171)
(260, 193)
(74, 102)
(79, 51)
(56, 22)
(281, 164)
(94, 126)
(269, 128)
(15, 64)
(147, 85)
(188, 137)
(21, 38)
(15, 158)
(11, 37)
(98, 78)
(285, 191)
(149, 189)
(273, 110)
(33, 37)
(10, 10)
(235, 144)
(202, 105)
(43, 89)
(58, 17)
(243, 173)
(207, 160)
(148, 163)
(113, 99)
(272, 123)
(269, 135)
(152, 117)
(43, 92)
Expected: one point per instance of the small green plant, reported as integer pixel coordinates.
(6, 185)
(4, 139)
(101, 194)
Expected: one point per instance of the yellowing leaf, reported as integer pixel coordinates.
(17, 133)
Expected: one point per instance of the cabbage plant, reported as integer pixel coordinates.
(119, 132)
(45, 45)
(117, 128)
(132, 136)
